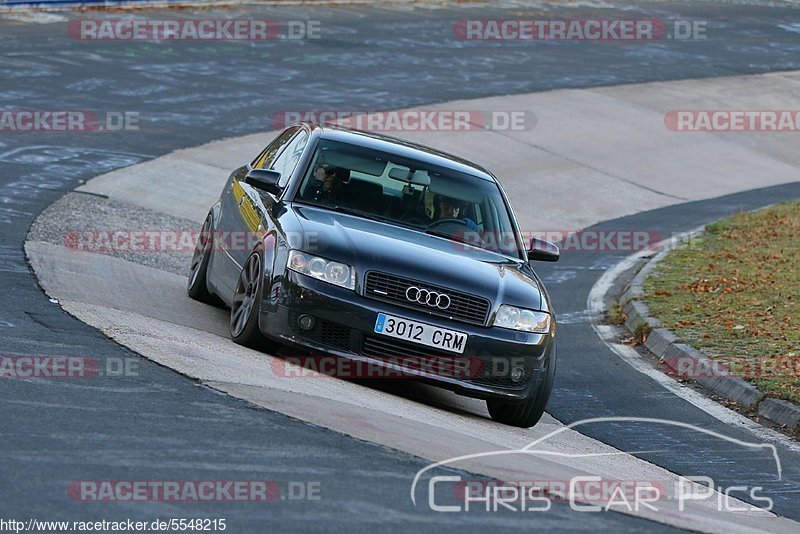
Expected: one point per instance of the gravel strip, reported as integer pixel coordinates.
(84, 222)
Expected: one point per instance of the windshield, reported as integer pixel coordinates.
(436, 200)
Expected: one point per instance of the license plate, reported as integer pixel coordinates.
(424, 334)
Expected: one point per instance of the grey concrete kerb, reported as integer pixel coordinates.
(684, 360)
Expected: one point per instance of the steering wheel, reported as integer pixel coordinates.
(441, 222)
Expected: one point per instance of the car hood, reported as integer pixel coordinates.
(373, 245)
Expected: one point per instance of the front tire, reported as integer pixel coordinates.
(197, 287)
(527, 413)
(246, 307)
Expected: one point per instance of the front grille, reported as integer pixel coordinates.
(325, 332)
(433, 361)
(391, 288)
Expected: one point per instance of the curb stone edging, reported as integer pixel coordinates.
(779, 410)
(671, 352)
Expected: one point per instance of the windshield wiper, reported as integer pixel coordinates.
(364, 214)
(452, 237)
(351, 211)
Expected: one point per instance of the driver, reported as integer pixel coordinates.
(447, 209)
(450, 208)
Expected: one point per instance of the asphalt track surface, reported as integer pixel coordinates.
(593, 382)
(159, 425)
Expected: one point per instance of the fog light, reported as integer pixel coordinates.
(517, 374)
(306, 322)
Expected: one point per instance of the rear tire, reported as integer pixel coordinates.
(246, 307)
(197, 287)
(527, 413)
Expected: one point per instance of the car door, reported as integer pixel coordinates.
(286, 163)
(239, 217)
(254, 209)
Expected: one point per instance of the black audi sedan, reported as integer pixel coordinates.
(369, 249)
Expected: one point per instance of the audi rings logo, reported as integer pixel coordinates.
(428, 297)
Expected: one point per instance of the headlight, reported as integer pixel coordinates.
(333, 272)
(522, 319)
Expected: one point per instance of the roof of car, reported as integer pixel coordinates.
(402, 148)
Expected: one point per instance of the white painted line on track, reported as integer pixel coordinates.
(597, 308)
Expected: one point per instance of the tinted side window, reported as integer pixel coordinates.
(264, 160)
(289, 158)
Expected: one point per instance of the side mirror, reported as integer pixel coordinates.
(542, 250)
(264, 179)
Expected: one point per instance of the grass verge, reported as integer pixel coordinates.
(734, 294)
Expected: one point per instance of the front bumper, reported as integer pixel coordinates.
(344, 328)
